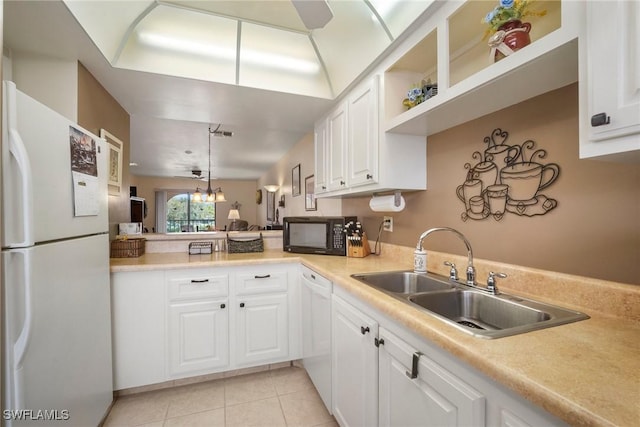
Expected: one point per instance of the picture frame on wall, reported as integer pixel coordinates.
(310, 202)
(295, 180)
(115, 162)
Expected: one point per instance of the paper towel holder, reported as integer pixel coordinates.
(397, 197)
(390, 203)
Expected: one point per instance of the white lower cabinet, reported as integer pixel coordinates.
(354, 365)
(385, 375)
(186, 322)
(138, 328)
(262, 328)
(198, 336)
(197, 321)
(416, 391)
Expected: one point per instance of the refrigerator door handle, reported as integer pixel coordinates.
(18, 151)
(22, 342)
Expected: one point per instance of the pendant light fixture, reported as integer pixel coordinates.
(212, 195)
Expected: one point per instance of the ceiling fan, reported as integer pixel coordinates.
(195, 174)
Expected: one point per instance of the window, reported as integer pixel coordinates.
(185, 215)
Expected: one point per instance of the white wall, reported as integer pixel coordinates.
(280, 174)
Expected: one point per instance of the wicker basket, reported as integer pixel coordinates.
(245, 246)
(129, 248)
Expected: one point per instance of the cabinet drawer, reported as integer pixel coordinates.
(198, 286)
(261, 281)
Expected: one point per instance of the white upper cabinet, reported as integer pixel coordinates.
(337, 148)
(320, 156)
(610, 81)
(363, 131)
(358, 157)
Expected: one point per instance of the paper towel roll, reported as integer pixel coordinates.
(385, 204)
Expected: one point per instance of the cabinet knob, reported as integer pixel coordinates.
(600, 120)
(378, 342)
(364, 330)
(324, 187)
(342, 182)
(222, 305)
(369, 176)
(241, 304)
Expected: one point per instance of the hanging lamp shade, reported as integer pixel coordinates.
(197, 196)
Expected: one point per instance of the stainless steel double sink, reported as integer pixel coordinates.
(469, 309)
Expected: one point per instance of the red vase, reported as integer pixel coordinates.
(516, 36)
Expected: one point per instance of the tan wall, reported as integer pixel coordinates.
(281, 174)
(244, 192)
(594, 230)
(97, 109)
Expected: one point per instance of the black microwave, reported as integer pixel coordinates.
(315, 234)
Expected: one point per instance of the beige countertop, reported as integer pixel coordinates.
(586, 373)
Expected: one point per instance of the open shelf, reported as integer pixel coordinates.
(419, 63)
(471, 83)
(469, 52)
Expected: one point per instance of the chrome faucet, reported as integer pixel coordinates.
(471, 271)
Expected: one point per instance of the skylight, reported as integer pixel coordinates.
(248, 43)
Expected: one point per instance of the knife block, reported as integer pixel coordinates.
(355, 251)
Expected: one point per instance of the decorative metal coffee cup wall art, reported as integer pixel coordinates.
(507, 178)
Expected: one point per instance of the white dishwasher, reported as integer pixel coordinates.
(316, 331)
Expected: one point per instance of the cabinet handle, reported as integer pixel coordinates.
(199, 281)
(342, 182)
(324, 187)
(266, 276)
(600, 119)
(222, 305)
(241, 304)
(369, 176)
(414, 366)
(378, 342)
(364, 330)
(313, 277)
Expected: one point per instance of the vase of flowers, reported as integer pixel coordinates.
(506, 30)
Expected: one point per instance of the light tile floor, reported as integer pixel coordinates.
(280, 397)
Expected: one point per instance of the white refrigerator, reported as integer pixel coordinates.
(56, 337)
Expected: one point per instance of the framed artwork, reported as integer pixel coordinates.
(271, 206)
(295, 180)
(114, 146)
(310, 202)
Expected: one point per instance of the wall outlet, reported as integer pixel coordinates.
(388, 223)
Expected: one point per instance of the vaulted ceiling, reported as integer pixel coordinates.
(179, 67)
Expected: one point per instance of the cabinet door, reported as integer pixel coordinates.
(614, 67)
(138, 328)
(354, 366)
(320, 152)
(198, 336)
(363, 134)
(435, 397)
(337, 144)
(262, 328)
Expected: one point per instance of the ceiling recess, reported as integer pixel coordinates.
(257, 44)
